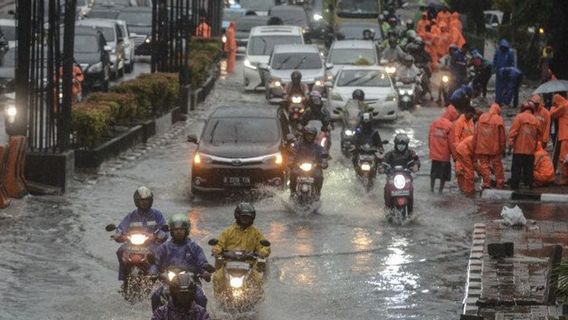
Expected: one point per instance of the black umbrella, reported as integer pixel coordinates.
(552, 86)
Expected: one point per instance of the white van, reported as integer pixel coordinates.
(260, 44)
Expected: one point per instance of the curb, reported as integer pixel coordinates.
(473, 286)
(493, 194)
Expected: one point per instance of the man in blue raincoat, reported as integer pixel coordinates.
(503, 58)
(512, 78)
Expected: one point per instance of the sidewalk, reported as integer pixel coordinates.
(513, 287)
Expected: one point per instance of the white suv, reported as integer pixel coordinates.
(261, 42)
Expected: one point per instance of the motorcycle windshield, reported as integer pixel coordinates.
(236, 268)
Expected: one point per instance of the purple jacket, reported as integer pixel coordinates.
(188, 255)
(169, 312)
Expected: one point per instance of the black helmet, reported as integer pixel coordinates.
(179, 220)
(401, 140)
(391, 33)
(143, 193)
(358, 95)
(409, 24)
(245, 209)
(182, 290)
(310, 134)
(393, 41)
(408, 60)
(296, 77)
(315, 98)
(419, 41)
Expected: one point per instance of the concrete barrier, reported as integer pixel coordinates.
(493, 194)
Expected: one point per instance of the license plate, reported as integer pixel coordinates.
(305, 180)
(236, 181)
(138, 249)
(400, 193)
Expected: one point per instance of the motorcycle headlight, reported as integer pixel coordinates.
(97, 67)
(445, 79)
(236, 282)
(401, 92)
(11, 113)
(275, 83)
(336, 96)
(323, 141)
(410, 91)
(349, 132)
(224, 39)
(138, 239)
(306, 166)
(171, 275)
(317, 17)
(390, 70)
(249, 65)
(399, 181)
(296, 99)
(147, 40)
(366, 167)
(319, 83)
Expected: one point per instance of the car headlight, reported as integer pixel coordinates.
(296, 99)
(306, 166)
(249, 65)
(236, 282)
(445, 79)
(278, 158)
(317, 17)
(147, 40)
(399, 181)
(318, 83)
(365, 167)
(336, 97)
(390, 70)
(138, 239)
(275, 83)
(224, 39)
(349, 132)
(390, 98)
(97, 67)
(11, 113)
(200, 158)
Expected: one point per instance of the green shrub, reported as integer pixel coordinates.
(164, 90)
(125, 111)
(141, 91)
(90, 122)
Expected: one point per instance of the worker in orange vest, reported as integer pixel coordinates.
(203, 29)
(523, 138)
(465, 166)
(560, 111)
(489, 142)
(543, 168)
(231, 47)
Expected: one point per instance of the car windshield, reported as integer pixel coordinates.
(353, 56)
(103, 14)
(86, 43)
(9, 32)
(288, 61)
(232, 15)
(108, 33)
(291, 17)
(242, 130)
(358, 6)
(245, 25)
(363, 78)
(356, 31)
(263, 45)
(138, 19)
(257, 5)
(9, 59)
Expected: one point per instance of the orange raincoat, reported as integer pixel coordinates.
(444, 17)
(543, 116)
(489, 140)
(440, 137)
(231, 47)
(543, 168)
(524, 133)
(463, 128)
(203, 30)
(456, 37)
(455, 21)
(422, 23)
(560, 111)
(443, 41)
(465, 167)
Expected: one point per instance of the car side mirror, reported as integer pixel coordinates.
(265, 242)
(370, 109)
(110, 227)
(192, 138)
(212, 242)
(107, 48)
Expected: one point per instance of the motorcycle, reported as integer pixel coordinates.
(172, 273)
(445, 88)
(241, 292)
(406, 93)
(295, 107)
(136, 258)
(349, 120)
(399, 191)
(306, 191)
(367, 165)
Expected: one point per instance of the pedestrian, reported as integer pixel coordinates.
(203, 29)
(512, 78)
(231, 47)
(465, 166)
(482, 68)
(543, 167)
(503, 58)
(456, 36)
(543, 116)
(560, 111)
(443, 42)
(489, 141)
(461, 98)
(440, 141)
(523, 138)
(444, 15)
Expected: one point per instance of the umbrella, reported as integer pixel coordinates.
(552, 86)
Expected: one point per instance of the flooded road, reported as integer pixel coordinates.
(345, 262)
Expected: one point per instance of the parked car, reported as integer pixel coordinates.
(380, 93)
(8, 28)
(232, 154)
(93, 55)
(244, 27)
(259, 47)
(114, 37)
(287, 58)
(294, 16)
(139, 21)
(352, 52)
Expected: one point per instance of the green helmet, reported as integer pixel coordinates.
(179, 220)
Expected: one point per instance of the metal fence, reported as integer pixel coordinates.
(44, 67)
(174, 22)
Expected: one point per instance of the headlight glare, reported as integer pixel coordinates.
(399, 181)
(236, 282)
(306, 166)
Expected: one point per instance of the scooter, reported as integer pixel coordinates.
(406, 94)
(136, 258)
(399, 191)
(349, 120)
(295, 108)
(367, 164)
(240, 292)
(306, 192)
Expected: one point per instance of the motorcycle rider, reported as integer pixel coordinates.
(181, 252)
(409, 73)
(316, 111)
(307, 148)
(242, 235)
(461, 98)
(458, 65)
(366, 134)
(393, 53)
(181, 304)
(296, 86)
(401, 154)
(143, 216)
